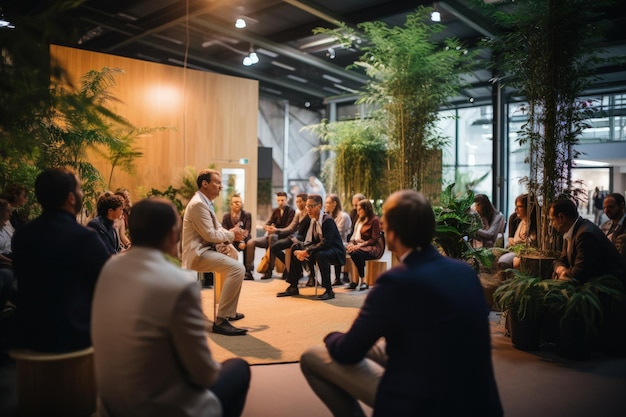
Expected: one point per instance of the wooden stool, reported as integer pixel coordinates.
(55, 384)
(373, 268)
(218, 283)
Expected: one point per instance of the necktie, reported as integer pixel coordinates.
(611, 229)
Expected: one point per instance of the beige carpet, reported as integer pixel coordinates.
(280, 329)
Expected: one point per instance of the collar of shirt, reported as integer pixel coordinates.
(570, 233)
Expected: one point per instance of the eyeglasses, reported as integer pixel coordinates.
(310, 206)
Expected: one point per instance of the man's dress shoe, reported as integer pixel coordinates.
(228, 329)
(328, 295)
(267, 275)
(248, 276)
(237, 316)
(290, 291)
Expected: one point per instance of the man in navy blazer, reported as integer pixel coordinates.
(57, 262)
(322, 244)
(587, 252)
(420, 345)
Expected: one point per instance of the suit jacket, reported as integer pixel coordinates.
(245, 218)
(57, 262)
(201, 230)
(331, 241)
(151, 352)
(432, 312)
(619, 230)
(281, 221)
(592, 254)
(298, 226)
(374, 241)
(107, 233)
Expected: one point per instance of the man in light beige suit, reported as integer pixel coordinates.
(207, 247)
(148, 331)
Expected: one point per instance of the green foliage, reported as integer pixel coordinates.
(544, 52)
(587, 301)
(171, 194)
(523, 296)
(455, 222)
(410, 78)
(359, 160)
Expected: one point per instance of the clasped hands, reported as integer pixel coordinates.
(301, 255)
(240, 234)
(351, 247)
(560, 273)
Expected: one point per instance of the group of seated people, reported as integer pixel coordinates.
(144, 317)
(588, 250)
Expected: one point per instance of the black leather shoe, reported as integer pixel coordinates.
(248, 276)
(352, 286)
(363, 286)
(267, 275)
(328, 295)
(310, 282)
(228, 329)
(289, 292)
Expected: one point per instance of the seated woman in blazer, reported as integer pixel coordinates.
(367, 241)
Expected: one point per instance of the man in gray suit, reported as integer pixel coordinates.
(148, 331)
(207, 247)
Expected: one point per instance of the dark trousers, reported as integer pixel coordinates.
(231, 386)
(359, 257)
(324, 258)
(278, 247)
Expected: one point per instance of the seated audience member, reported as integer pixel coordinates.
(237, 216)
(206, 248)
(152, 356)
(417, 369)
(525, 232)
(291, 234)
(620, 245)
(7, 278)
(332, 206)
(109, 209)
(57, 262)
(322, 245)
(281, 217)
(121, 224)
(493, 221)
(17, 196)
(354, 215)
(367, 241)
(615, 210)
(587, 253)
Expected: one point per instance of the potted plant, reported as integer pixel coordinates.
(582, 309)
(543, 54)
(522, 298)
(410, 78)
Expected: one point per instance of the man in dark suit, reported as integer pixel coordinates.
(615, 210)
(57, 262)
(281, 217)
(322, 245)
(436, 356)
(587, 252)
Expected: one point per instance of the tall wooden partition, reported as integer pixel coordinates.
(213, 116)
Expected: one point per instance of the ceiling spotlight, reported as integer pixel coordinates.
(330, 53)
(254, 58)
(247, 61)
(240, 23)
(435, 16)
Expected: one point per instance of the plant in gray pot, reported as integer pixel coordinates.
(583, 309)
(522, 297)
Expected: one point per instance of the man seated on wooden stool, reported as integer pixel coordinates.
(291, 234)
(152, 356)
(281, 217)
(322, 245)
(207, 247)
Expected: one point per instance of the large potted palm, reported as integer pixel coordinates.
(543, 53)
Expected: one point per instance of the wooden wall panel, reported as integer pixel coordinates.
(214, 119)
